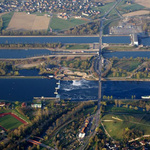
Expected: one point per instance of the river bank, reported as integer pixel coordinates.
(72, 78)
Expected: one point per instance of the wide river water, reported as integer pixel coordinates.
(26, 89)
(106, 39)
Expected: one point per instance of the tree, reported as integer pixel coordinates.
(116, 102)
(16, 73)
(119, 102)
(16, 102)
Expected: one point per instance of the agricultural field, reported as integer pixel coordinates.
(6, 19)
(124, 7)
(9, 122)
(145, 3)
(61, 24)
(137, 13)
(23, 21)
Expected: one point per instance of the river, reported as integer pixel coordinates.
(145, 41)
(25, 40)
(23, 53)
(26, 89)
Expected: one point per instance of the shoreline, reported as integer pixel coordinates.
(97, 35)
(69, 79)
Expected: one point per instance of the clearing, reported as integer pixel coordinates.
(24, 21)
(131, 121)
(61, 24)
(145, 3)
(137, 13)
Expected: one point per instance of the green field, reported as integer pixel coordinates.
(6, 19)
(134, 121)
(9, 122)
(122, 109)
(77, 46)
(129, 65)
(123, 7)
(119, 48)
(61, 24)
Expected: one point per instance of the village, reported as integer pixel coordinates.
(70, 8)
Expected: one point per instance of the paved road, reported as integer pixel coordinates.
(98, 67)
(41, 144)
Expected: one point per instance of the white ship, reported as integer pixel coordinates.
(58, 82)
(145, 97)
(56, 92)
(57, 88)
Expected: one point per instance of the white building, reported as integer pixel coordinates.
(135, 39)
(36, 105)
(81, 135)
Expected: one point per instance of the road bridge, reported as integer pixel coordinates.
(98, 68)
(40, 144)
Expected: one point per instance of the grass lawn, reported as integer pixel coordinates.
(126, 8)
(61, 24)
(119, 48)
(130, 121)
(129, 65)
(6, 19)
(77, 46)
(9, 122)
(122, 109)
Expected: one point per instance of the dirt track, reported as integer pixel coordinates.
(21, 120)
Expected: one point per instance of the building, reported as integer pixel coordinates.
(36, 105)
(2, 104)
(81, 135)
(135, 39)
(24, 104)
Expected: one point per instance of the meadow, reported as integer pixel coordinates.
(58, 24)
(130, 120)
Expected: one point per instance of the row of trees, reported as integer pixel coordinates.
(25, 33)
(34, 45)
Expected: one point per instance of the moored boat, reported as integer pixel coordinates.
(145, 97)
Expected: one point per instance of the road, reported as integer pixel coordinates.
(98, 67)
(40, 144)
